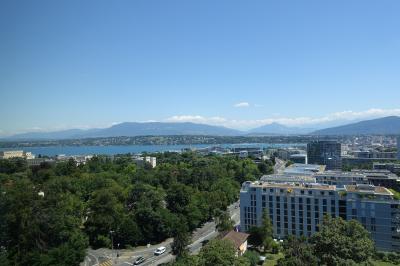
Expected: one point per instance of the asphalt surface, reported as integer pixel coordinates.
(104, 257)
(279, 166)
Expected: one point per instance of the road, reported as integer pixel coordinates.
(104, 257)
(279, 166)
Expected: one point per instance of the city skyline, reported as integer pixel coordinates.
(84, 65)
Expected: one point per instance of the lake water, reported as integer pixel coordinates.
(109, 150)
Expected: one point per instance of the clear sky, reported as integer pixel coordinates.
(66, 64)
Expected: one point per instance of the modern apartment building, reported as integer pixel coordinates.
(340, 179)
(383, 178)
(392, 167)
(398, 148)
(325, 153)
(298, 209)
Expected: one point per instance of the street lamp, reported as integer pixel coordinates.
(112, 244)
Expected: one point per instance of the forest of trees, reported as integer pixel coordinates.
(50, 214)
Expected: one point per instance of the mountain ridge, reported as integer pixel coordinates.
(389, 125)
(384, 125)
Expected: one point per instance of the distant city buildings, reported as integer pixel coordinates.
(79, 159)
(298, 158)
(304, 169)
(16, 154)
(147, 159)
(392, 167)
(325, 153)
(398, 148)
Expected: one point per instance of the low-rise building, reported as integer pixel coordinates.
(16, 154)
(381, 178)
(239, 240)
(147, 159)
(304, 169)
(340, 178)
(298, 158)
(392, 167)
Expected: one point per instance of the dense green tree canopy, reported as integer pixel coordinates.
(339, 241)
(52, 212)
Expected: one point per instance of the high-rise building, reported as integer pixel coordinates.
(326, 153)
(398, 147)
(299, 208)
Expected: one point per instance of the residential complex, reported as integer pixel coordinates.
(297, 208)
(16, 154)
(325, 153)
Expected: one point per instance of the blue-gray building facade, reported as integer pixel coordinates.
(298, 209)
(325, 152)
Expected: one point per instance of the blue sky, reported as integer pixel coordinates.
(67, 64)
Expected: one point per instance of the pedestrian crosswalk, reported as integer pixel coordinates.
(106, 263)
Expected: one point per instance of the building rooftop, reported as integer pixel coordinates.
(288, 178)
(340, 173)
(237, 238)
(304, 169)
(292, 185)
(368, 189)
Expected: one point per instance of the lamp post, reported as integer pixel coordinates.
(112, 244)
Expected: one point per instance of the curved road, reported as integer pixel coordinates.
(103, 257)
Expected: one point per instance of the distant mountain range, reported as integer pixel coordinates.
(278, 129)
(386, 125)
(132, 129)
(389, 125)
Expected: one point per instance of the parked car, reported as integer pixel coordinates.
(160, 250)
(139, 260)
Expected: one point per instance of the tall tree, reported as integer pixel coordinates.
(181, 240)
(298, 252)
(223, 221)
(220, 252)
(339, 241)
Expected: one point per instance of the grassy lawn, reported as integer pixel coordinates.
(382, 263)
(272, 259)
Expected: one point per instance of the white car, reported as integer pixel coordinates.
(160, 250)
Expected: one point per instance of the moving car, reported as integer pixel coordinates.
(139, 260)
(160, 250)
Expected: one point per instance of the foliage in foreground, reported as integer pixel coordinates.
(338, 242)
(216, 252)
(83, 204)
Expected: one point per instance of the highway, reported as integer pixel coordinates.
(104, 257)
